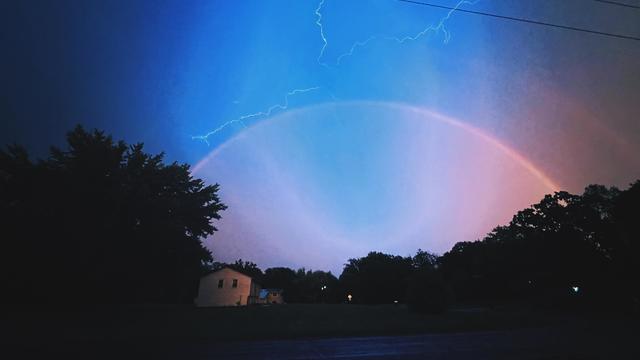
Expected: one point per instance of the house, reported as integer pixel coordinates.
(271, 296)
(227, 287)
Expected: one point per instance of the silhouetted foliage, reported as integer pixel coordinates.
(303, 286)
(102, 222)
(567, 249)
(386, 279)
(314, 287)
(282, 278)
(376, 278)
(246, 267)
(107, 222)
(424, 260)
(426, 289)
(279, 277)
(624, 250)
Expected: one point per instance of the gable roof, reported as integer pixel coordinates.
(227, 268)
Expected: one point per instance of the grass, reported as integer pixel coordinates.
(182, 324)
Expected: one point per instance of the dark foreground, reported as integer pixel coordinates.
(316, 332)
(515, 344)
(541, 343)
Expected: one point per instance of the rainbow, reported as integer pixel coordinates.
(426, 113)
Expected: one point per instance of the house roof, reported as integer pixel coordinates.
(226, 268)
(253, 279)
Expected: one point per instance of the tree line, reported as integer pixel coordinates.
(104, 221)
(566, 250)
(565, 247)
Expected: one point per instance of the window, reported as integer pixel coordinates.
(235, 283)
(220, 283)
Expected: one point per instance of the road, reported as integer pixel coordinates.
(523, 344)
(520, 344)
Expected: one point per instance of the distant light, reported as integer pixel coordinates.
(349, 297)
(324, 287)
(395, 301)
(575, 289)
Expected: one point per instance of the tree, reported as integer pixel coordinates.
(102, 222)
(424, 260)
(248, 268)
(316, 287)
(282, 278)
(626, 250)
(303, 286)
(565, 247)
(376, 278)
(426, 289)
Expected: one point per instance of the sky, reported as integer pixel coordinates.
(338, 127)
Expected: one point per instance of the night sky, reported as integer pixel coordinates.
(338, 127)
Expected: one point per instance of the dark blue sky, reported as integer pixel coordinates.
(152, 71)
(450, 108)
(113, 65)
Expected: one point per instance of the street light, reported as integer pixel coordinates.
(349, 297)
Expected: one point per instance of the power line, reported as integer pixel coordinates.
(528, 21)
(618, 4)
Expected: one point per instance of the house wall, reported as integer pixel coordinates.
(275, 298)
(254, 296)
(210, 295)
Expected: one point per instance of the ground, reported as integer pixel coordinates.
(295, 331)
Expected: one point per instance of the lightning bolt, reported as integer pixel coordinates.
(433, 28)
(437, 28)
(324, 38)
(265, 113)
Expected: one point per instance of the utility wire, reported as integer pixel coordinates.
(528, 21)
(618, 4)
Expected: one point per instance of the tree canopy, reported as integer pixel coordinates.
(102, 221)
(560, 248)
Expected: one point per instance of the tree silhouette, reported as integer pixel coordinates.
(282, 278)
(564, 248)
(102, 222)
(248, 268)
(376, 278)
(315, 287)
(625, 250)
(426, 289)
